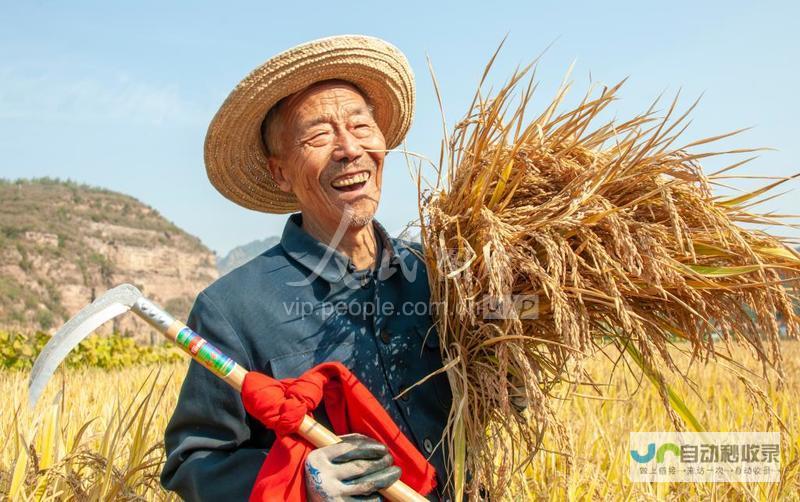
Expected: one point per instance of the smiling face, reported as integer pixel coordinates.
(330, 155)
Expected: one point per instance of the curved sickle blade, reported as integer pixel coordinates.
(112, 303)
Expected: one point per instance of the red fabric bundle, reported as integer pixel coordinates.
(281, 406)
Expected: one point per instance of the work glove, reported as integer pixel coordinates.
(354, 469)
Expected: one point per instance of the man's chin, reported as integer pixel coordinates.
(361, 220)
(359, 215)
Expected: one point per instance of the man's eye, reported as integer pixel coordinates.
(362, 129)
(318, 135)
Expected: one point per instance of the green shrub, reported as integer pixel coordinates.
(19, 351)
(45, 319)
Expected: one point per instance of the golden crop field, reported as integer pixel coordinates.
(96, 434)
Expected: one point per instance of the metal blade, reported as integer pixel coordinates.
(112, 303)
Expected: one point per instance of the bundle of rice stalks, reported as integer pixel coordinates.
(550, 238)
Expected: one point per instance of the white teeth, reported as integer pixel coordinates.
(351, 180)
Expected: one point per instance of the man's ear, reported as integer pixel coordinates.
(276, 168)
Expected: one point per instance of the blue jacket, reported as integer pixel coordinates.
(298, 304)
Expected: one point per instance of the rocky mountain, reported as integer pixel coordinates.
(244, 253)
(62, 244)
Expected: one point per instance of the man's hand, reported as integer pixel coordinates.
(354, 469)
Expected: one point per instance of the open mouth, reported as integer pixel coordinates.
(351, 182)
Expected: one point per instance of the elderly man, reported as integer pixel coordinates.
(308, 132)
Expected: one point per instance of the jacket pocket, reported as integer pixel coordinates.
(294, 365)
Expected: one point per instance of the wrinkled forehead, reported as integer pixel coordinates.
(326, 98)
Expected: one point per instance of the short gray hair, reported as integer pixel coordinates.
(272, 126)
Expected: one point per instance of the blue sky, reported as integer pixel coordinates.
(120, 96)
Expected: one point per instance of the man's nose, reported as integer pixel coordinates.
(348, 148)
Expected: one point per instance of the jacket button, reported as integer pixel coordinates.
(386, 336)
(428, 445)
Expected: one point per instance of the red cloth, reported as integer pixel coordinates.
(281, 405)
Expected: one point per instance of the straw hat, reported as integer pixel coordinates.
(235, 155)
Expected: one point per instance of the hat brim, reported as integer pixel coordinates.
(235, 156)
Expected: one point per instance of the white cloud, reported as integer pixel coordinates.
(42, 95)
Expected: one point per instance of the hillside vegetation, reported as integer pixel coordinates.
(63, 243)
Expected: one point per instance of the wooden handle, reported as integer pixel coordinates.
(225, 368)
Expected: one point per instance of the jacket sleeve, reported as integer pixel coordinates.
(210, 452)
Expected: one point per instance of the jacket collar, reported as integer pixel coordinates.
(324, 261)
